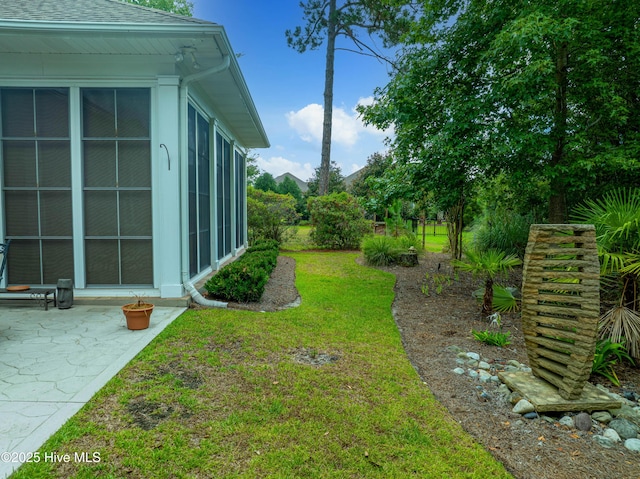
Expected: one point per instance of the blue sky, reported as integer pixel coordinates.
(287, 87)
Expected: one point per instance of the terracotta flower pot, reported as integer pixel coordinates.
(137, 315)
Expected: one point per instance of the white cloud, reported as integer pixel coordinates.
(346, 129)
(277, 165)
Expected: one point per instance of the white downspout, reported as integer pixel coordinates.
(186, 280)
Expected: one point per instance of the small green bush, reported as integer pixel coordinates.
(244, 280)
(380, 250)
(607, 355)
(503, 230)
(493, 338)
(385, 250)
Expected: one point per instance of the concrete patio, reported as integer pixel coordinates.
(52, 362)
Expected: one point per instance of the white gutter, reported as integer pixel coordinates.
(205, 73)
(184, 98)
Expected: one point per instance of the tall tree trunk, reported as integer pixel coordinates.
(325, 160)
(454, 216)
(557, 200)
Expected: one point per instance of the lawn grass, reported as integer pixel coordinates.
(299, 241)
(223, 394)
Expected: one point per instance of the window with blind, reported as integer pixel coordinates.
(116, 159)
(36, 184)
(199, 192)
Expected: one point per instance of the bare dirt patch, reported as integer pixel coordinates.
(430, 325)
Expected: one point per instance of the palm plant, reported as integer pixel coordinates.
(616, 217)
(488, 264)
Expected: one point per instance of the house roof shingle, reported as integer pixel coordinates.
(90, 11)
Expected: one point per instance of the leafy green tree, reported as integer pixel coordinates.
(336, 181)
(253, 171)
(539, 90)
(181, 7)
(289, 187)
(331, 19)
(266, 182)
(365, 187)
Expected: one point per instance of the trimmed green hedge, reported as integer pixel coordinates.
(244, 280)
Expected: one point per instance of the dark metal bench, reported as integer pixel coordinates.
(43, 295)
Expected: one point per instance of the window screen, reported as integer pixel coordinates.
(36, 184)
(116, 158)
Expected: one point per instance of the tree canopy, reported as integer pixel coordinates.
(538, 90)
(266, 182)
(335, 182)
(181, 7)
(330, 19)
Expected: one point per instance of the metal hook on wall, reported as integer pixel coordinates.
(168, 157)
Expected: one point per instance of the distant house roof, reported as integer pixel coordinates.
(301, 184)
(353, 176)
(93, 11)
(113, 27)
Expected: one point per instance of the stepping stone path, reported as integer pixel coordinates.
(614, 428)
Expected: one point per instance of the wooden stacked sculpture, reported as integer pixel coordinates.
(561, 304)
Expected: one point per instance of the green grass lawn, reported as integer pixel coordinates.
(222, 394)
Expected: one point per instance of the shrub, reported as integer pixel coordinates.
(409, 240)
(244, 280)
(380, 250)
(270, 215)
(337, 221)
(502, 230)
(607, 355)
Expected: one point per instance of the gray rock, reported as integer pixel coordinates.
(629, 413)
(632, 444)
(458, 371)
(583, 422)
(625, 429)
(525, 369)
(495, 379)
(567, 421)
(484, 376)
(514, 397)
(460, 361)
(462, 355)
(611, 434)
(523, 407)
(602, 416)
(530, 415)
(511, 369)
(484, 365)
(454, 349)
(548, 419)
(472, 363)
(604, 441)
(474, 356)
(473, 374)
(514, 363)
(504, 390)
